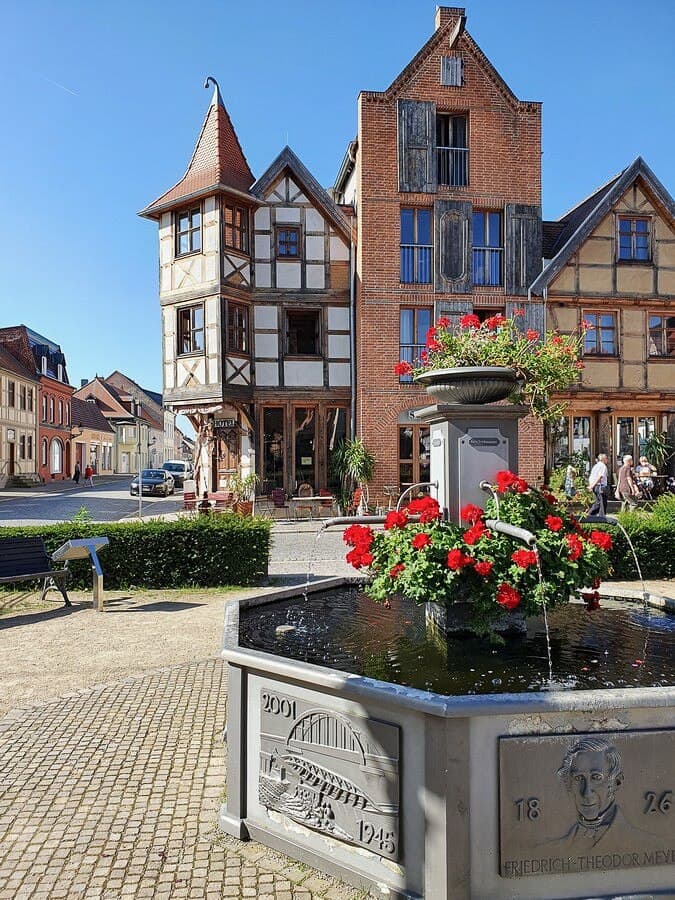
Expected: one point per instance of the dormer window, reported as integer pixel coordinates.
(189, 231)
(235, 225)
(43, 367)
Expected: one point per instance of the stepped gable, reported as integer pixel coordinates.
(218, 162)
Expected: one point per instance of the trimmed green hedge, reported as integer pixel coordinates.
(654, 542)
(205, 552)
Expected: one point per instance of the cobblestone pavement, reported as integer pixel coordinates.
(113, 792)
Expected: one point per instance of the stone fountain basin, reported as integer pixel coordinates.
(414, 794)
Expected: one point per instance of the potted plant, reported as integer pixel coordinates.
(430, 560)
(243, 490)
(480, 362)
(354, 464)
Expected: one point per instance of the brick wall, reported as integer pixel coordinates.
(505, 166)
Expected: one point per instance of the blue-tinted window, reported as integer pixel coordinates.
(634, 239)
(416, 246)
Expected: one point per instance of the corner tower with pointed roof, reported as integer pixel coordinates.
(254, 290)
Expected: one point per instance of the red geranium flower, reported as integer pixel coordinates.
(359, 558)
(493, 322)
(504, 480)
(403, 368)
(457, 560)
(556, 339)
(575, 546)
(531, 334)
(471, 513)
(601, 539)
(469, 321)
(426, 507)
(519, 312)
(524, 558)
(553, 523)
(358, 535)
(443, 322)
(421, 540)
(507, 596)
(397, 518)
(475, 533)
(396, 570)
(549, 497)
(483, 568)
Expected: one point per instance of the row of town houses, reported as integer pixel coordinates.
(47, 425)
(285, 306)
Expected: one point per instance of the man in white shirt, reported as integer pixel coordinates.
(597, 482)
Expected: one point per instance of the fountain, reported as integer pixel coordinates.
(418, 765)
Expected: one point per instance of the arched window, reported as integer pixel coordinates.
(44, 407)
(67, 413)
(56, 457)
(51, 409)
(60, 412)
(43, 453)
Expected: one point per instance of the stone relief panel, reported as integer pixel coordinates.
(580, 803)
(335, 774)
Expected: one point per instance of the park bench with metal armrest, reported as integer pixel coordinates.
(26, 559)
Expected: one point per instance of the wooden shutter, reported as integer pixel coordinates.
(535, 315)
(416, 146)
(523, 246)
(452, 243)
(452, 71)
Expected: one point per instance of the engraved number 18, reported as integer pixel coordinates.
(528, 809)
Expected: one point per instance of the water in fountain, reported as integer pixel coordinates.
(345, 630)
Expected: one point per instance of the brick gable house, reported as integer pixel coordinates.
(445, 174)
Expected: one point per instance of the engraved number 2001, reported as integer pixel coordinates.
(278, 706)
(528, 809)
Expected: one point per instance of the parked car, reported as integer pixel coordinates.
(180, 469)
(154, 481)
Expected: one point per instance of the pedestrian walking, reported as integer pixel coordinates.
(77, 472)
(597, 482)
(89, 476)
(627, 490)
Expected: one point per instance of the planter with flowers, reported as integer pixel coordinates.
(480, 362)
(430, 560)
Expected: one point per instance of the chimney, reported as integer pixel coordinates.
(446, 14)
(83, 381)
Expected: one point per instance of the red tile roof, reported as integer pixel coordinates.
(218, 160)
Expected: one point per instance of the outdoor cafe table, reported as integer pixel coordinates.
(313, 502)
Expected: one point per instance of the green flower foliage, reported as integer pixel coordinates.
(545, 364)
(206, 552)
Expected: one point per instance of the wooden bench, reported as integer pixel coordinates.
(26, 559)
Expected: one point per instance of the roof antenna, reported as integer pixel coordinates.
(210, 80)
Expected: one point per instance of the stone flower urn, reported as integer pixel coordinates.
(469, 384)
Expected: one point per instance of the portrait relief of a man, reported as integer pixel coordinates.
(592, 773)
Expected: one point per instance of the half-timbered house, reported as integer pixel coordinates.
(255, 294)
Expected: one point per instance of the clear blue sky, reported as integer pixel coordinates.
(102, 103)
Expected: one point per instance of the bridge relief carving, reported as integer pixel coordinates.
(332, 773)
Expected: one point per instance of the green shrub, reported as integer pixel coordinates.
(663, 510)
(206, 552)
(654, 542)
